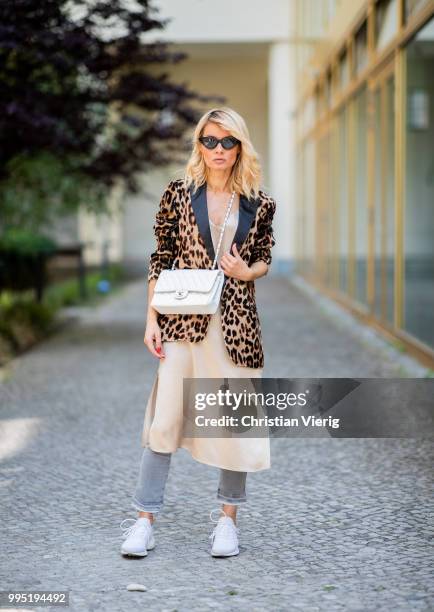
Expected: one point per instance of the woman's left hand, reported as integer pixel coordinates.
(235, 266)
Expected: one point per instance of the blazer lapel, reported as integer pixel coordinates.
(200, 208)
(246, 216)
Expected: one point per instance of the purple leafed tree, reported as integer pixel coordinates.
(84, 96)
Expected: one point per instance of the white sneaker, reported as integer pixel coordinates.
(224, 538)
(139, 537)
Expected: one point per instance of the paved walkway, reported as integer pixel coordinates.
(336, 524)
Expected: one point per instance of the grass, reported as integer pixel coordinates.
(23, 321)
(67, 293)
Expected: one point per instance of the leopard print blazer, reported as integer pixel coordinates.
(183, 233)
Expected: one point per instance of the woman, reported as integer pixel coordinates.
(223, 165)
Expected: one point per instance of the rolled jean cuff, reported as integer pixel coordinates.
(231, 500)
(146, 507)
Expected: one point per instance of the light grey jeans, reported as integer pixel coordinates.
(151, 483)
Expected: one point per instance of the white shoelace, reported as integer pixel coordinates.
(225, 528)
(129, 530)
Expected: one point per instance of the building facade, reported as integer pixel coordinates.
(365, 162)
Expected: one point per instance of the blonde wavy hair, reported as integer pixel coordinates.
(246, 173)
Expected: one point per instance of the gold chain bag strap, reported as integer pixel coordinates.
(187, 291)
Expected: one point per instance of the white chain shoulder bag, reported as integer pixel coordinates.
(191, 291)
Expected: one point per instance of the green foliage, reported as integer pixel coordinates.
(24, 321)
(82, 112)
(28, 312)
(23, 242)
(40, 188)
(67, 293)
(23, 258)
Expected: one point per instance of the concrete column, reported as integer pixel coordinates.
(281, 101)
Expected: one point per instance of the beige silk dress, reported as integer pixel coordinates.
(164, 415)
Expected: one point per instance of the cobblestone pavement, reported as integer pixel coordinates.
(336, 524)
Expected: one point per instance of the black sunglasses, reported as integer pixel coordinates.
(210, 142)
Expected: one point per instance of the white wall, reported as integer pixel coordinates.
(223, 21)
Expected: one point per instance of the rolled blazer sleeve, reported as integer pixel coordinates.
(264, 240)
(166, 230)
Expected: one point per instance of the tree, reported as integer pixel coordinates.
(83, 104)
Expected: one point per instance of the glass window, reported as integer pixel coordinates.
(309, 205)
(386, 22)
(333, 206)
(344, 72)
(361, 46)
(378, 208)
(300, 213)
(413, 6)
(389, 203)
(419, 194)
(318, 102)
(342, 197)
(328, 89)
(309, 114)
(322, 98)
(335, 84)
(323, 228)
(328, 207)
(361, 197)
(384, 195)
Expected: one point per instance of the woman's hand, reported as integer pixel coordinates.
(235, 266)
(152, 338)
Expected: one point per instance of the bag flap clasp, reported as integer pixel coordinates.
(180, 294)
